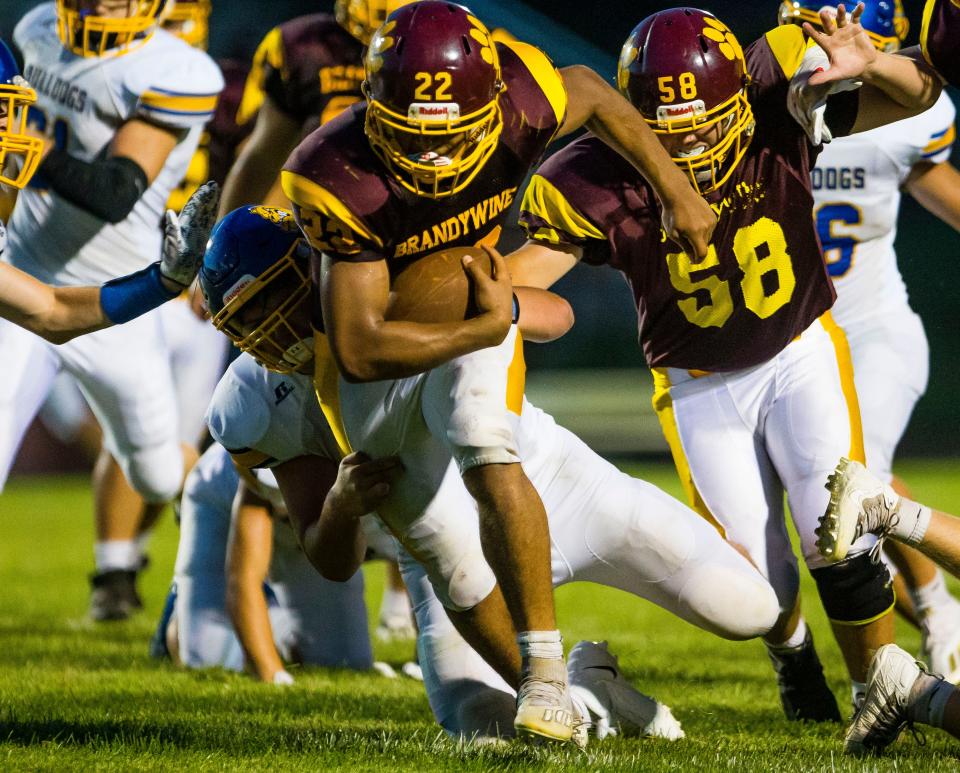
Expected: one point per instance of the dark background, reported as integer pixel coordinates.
(605, 334)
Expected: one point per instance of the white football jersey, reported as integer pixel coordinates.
(81, 103)
(856, 188)
(276, 414)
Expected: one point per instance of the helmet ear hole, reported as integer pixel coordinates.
(466, 44)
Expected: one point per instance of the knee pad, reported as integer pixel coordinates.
(856, 591)
(466, 583)
(156, 474)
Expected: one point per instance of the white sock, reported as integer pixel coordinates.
(116, 554)
(912, 521)
(928, 700)
(932, 595)
(395, 604)
(796, 638)
(545, 645)
(858, 691)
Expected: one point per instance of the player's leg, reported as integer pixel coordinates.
(30, 366)
(814, 416)
(615, 530)
(395, 620)
(66, 415)
(205, 633)
(712, 426)
(328, 620)
(125, 375)
(467, 404)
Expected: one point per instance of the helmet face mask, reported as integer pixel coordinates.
(189, 20)
(86, 34)
(361, 18)
(19, 151)
(684, 71)
(884, 21)
(263, 304)
(433, 115)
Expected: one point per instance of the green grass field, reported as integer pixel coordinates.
(78, 696)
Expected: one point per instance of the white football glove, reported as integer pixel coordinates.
(185, 237)
(808, 104)
(282, 679)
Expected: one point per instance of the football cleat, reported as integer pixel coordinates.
(883, 715)
(804, 692)
(612, 705)
(860, 503)
(114, 595)
(544, 709)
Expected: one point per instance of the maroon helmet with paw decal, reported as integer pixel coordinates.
(684, 70)
(432, 87)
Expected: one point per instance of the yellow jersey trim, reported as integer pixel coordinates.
(249, 459)
(307, 194)
(546, 202)
(545, 74)
(190, 104)
(925, 29)
(941, 142)
(788, 44)
(663, 405)
(270, 51)
(845, 366)
(856, 623)
(516, 377)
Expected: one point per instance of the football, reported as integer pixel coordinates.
(436, 288)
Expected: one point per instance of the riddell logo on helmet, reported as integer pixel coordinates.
(434, 111)
(667, 113)
(241, 284)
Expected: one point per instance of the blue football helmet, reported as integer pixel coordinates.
(255, 278)
(19, 152)
(883, 20)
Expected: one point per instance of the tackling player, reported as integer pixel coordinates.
(856, 190)
(605, 526)
(452, 124)
(121, 105)
(754, 387)
(305, 72)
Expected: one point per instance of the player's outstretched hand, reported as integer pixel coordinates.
(846, 44)
(493, 294)
(185, 237)
(689, 221)
(363, 483)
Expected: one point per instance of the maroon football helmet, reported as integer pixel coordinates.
(684, 70)
(432, 87)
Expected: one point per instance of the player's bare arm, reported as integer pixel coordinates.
(59, 314)
(368, 347)
(248, 562)
(687, 218)
(538, 264)
(258, 164)
(896, 86)
(937, 188)
(542, 316)
(331, 536)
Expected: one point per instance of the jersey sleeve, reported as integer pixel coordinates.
(544, 78)
(330, 227)
(179, 91)
(941, 132)
(31, 25)
(238, 416)
(268, 68)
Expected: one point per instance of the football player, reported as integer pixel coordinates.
(605, 526)
(753, 384)
(244, 595)
(856, 190)
(121, 105)
(938, 38)
(451, 125)
(59, 314)
(305, 72)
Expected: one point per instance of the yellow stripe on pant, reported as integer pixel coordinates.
(845, 366)
(663, 405)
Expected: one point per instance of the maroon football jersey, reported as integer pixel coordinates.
(310, 67)
(351, 208)
(940, 36)
(220, 139)
(763, 281)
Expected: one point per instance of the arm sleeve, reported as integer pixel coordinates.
(107, 187)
